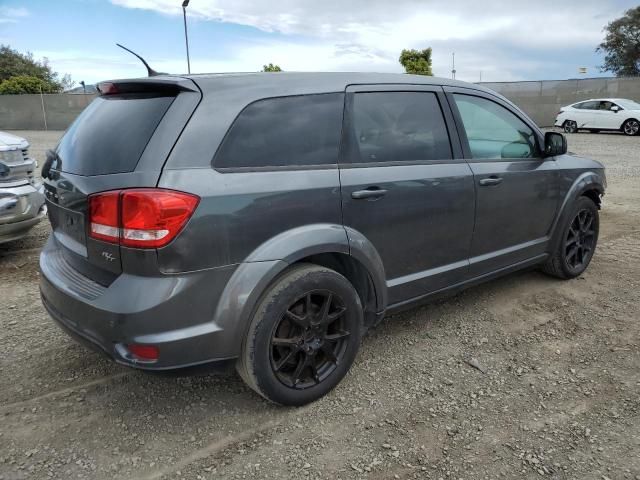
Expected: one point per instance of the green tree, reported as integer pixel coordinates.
(14, 64)
(26, 84)
(417, 62)
(271, 68)
(621, 45)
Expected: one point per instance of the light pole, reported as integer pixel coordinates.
(453, 65)
(185, 4)
(84, 91)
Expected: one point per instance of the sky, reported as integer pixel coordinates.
(493, 40)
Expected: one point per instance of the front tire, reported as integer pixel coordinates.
(578, 243)
(570, 126)
(304, 336)
(631, 127)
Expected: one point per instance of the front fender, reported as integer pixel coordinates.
(587, 181)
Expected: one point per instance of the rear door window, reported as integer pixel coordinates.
(284, 132)
(399, 127)
(110, 135)
(588, 106)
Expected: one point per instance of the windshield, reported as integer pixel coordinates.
(628, 104)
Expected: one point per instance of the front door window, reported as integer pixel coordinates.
(493, 131)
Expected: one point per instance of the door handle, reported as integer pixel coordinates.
(493, 180)
(371, 192)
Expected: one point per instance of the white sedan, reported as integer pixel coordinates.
(601, 114)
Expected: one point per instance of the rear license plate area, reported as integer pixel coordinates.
(68, 223)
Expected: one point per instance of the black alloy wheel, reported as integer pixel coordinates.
(580, 241)
(310, 339)
(303, 337)
(572, 252)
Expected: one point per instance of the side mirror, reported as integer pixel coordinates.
(554, 144)
(516, 150)
(615, 109)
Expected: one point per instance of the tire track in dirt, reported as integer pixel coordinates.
(64, 391)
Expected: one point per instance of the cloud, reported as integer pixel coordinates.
(369, 34)
(540, 22)
(12, 14)
(505, 42)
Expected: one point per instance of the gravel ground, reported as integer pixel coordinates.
(559, 397)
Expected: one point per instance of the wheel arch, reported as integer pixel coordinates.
(637, 119)
(359, 276)
(327, 245)
(589, 184)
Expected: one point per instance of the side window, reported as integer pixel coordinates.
(284, 131)
(493, 131)
(589, 106)
(606, 105)
(398, 127)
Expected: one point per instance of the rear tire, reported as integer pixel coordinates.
(631, 127)
(304, 336)
(578, 242)
(570, 126)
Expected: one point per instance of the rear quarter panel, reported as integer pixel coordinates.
(241, 211)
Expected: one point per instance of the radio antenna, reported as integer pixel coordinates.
(150, 71)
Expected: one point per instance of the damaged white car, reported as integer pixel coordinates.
(21, 199)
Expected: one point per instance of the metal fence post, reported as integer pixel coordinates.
(44, 112)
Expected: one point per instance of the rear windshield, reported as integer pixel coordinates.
(110, 135)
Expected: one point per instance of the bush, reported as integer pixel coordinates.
(26, 84)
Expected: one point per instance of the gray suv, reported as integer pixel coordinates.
(269, 220)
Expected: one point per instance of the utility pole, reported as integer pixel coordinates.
(185, 4)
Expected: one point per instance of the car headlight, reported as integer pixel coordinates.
(11, 157)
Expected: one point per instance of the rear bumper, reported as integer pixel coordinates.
(172, 312)
(21, 208)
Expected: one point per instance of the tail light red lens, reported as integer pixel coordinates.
(152, 218)
(144, 352)
(140, 217)
(104, 216)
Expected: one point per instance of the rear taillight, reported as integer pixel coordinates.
(146, 353)
(139, 217)
(104, 213)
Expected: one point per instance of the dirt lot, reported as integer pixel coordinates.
(560, 397)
